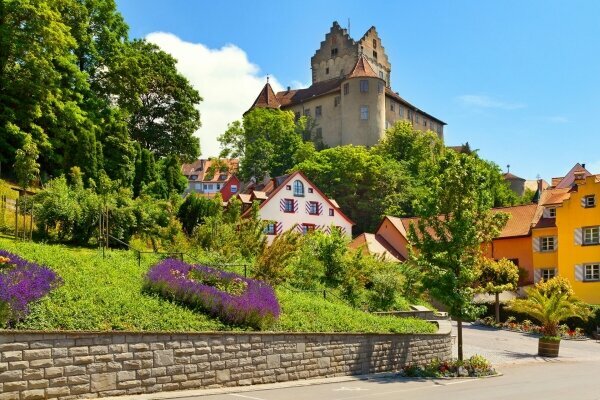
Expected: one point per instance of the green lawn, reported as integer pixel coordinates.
(106, 294)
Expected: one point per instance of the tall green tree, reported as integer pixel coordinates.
(26, 165)
(454, 222)
(266, 142)
(145, 170)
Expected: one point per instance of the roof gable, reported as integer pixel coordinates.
(568, 180)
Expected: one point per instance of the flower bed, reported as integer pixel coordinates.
(476, 366)
(227, 296)
(527, 326)
(21, 283)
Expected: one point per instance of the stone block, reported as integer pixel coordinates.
(80, 389)
(53, 372)
(14, 386)
(37, 354)
(57, 391)
(12, 356)
(163, 358)
(33, 395)
(38, 384)
(126, 376)
(103, 382)
(18, 365)
(10, 376)
(78, 351)
(13, 346)
(128, 384)
(74, 370)
(41, 363)
(78, 380)
(273, 361)
(9, 395)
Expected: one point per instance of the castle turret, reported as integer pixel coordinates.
(363, 105)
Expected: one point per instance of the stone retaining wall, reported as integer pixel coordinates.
(74, 364)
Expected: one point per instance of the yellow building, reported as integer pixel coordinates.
(350, 100)
(566, 240)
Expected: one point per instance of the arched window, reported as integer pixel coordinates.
(298, 188)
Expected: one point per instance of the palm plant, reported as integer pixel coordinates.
(550, 309)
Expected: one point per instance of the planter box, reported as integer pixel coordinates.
(548, 348)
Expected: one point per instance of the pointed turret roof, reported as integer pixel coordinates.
(266, 98)
(362, 69)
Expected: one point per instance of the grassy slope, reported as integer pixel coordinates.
(106, 294)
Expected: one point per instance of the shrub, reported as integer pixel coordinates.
(21, 283)
(386, 288)
(558, 284)
(272, 265)
(198, 286)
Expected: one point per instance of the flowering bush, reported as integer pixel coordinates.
(228, 296)
(529, 327)
(21, 283)
(475, 366)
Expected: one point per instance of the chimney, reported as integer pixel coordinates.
(288, 89)
(582, 165)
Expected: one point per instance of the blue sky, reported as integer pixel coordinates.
(518, 80)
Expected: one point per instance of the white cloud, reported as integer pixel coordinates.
(557, 119)
(481, 101)
(227, 81)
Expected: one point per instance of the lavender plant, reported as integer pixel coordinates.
(256, 306)
(21, 283)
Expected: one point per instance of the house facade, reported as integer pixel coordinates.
(211, 176)
(293, 202)
(350, 100)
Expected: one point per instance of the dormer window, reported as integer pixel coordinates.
(551, 212)
(298, 188)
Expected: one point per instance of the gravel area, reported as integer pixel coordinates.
(507, 348)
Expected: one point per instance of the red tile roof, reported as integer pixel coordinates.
(376, 245)
(266, 98)
(362, 69)
(211, 170)
(291, 97)
(521, 220)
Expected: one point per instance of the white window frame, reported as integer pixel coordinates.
(591, 272)
(364, 113)
(547, 273)
(591, 235)
(234, 188)
(547, 243)
(298, 188)
(590, 201)
(313, 208)
(551, 212)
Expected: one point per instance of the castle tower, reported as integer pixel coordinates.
(362, 105)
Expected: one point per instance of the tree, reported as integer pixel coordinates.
(161, 103)
(265, 142)
(496, 277)
(454, 221)
(195, 209)
(145, 170)
(26, 165)
(365, 184)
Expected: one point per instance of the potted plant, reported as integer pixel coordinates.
(550, 303)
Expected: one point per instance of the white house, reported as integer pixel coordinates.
(293, 202)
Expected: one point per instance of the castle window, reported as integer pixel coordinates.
(417, 119)
(346, 88)
(410, 114)
(392, 106)
(381, 74)
(364, 86)
(334, 52)
(380, 88)
(327, 70)
(307, 112)
(336, 101)
(374, 43)
(318, 111)
(424, 122)
(364, 112)
(401, 111)
(374, 54)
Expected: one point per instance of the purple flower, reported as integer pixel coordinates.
(23, 282)
(257, 306)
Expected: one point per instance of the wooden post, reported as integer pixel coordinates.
(31, 222)
(16, 219)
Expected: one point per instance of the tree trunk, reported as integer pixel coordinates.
(460, 338)
(497, 308)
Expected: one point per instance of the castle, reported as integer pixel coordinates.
(350, 100)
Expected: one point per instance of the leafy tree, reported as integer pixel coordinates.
(195, 209)
(365, 184)
(266, 142)
(161, 103)
(330, 250)
(26, 165)
(454, 221)
(145, 170)
(496, 277)
(119, 155)
(550, 309)
(271, 265)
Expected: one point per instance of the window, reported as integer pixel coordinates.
(417, 119)
(551, 212)
(210, 187)
(270, 228)
(233, 188)
(318, 111)
(410, 114)
(313, 208)
(589, 201)
(307, 112)
(298, 188)
(346, 88)
(198, 186)
(307, 228)
(401, 111)
(205, 187)
(194, 177)
(364, 112)
(364, 86)
(548, 273)
(331, 212)
(288, 205)
(547, 243)
(392, 106)
(591, 235)
(334, 52)
(592, 272)
(381, 74)
(288, 187)
(424, 122)
(336, 101)
(327, 70)
(310, 190)
(380, 87)
(218, 186)
(374, 43)
(374, 54)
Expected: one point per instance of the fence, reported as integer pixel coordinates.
(16, 216)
